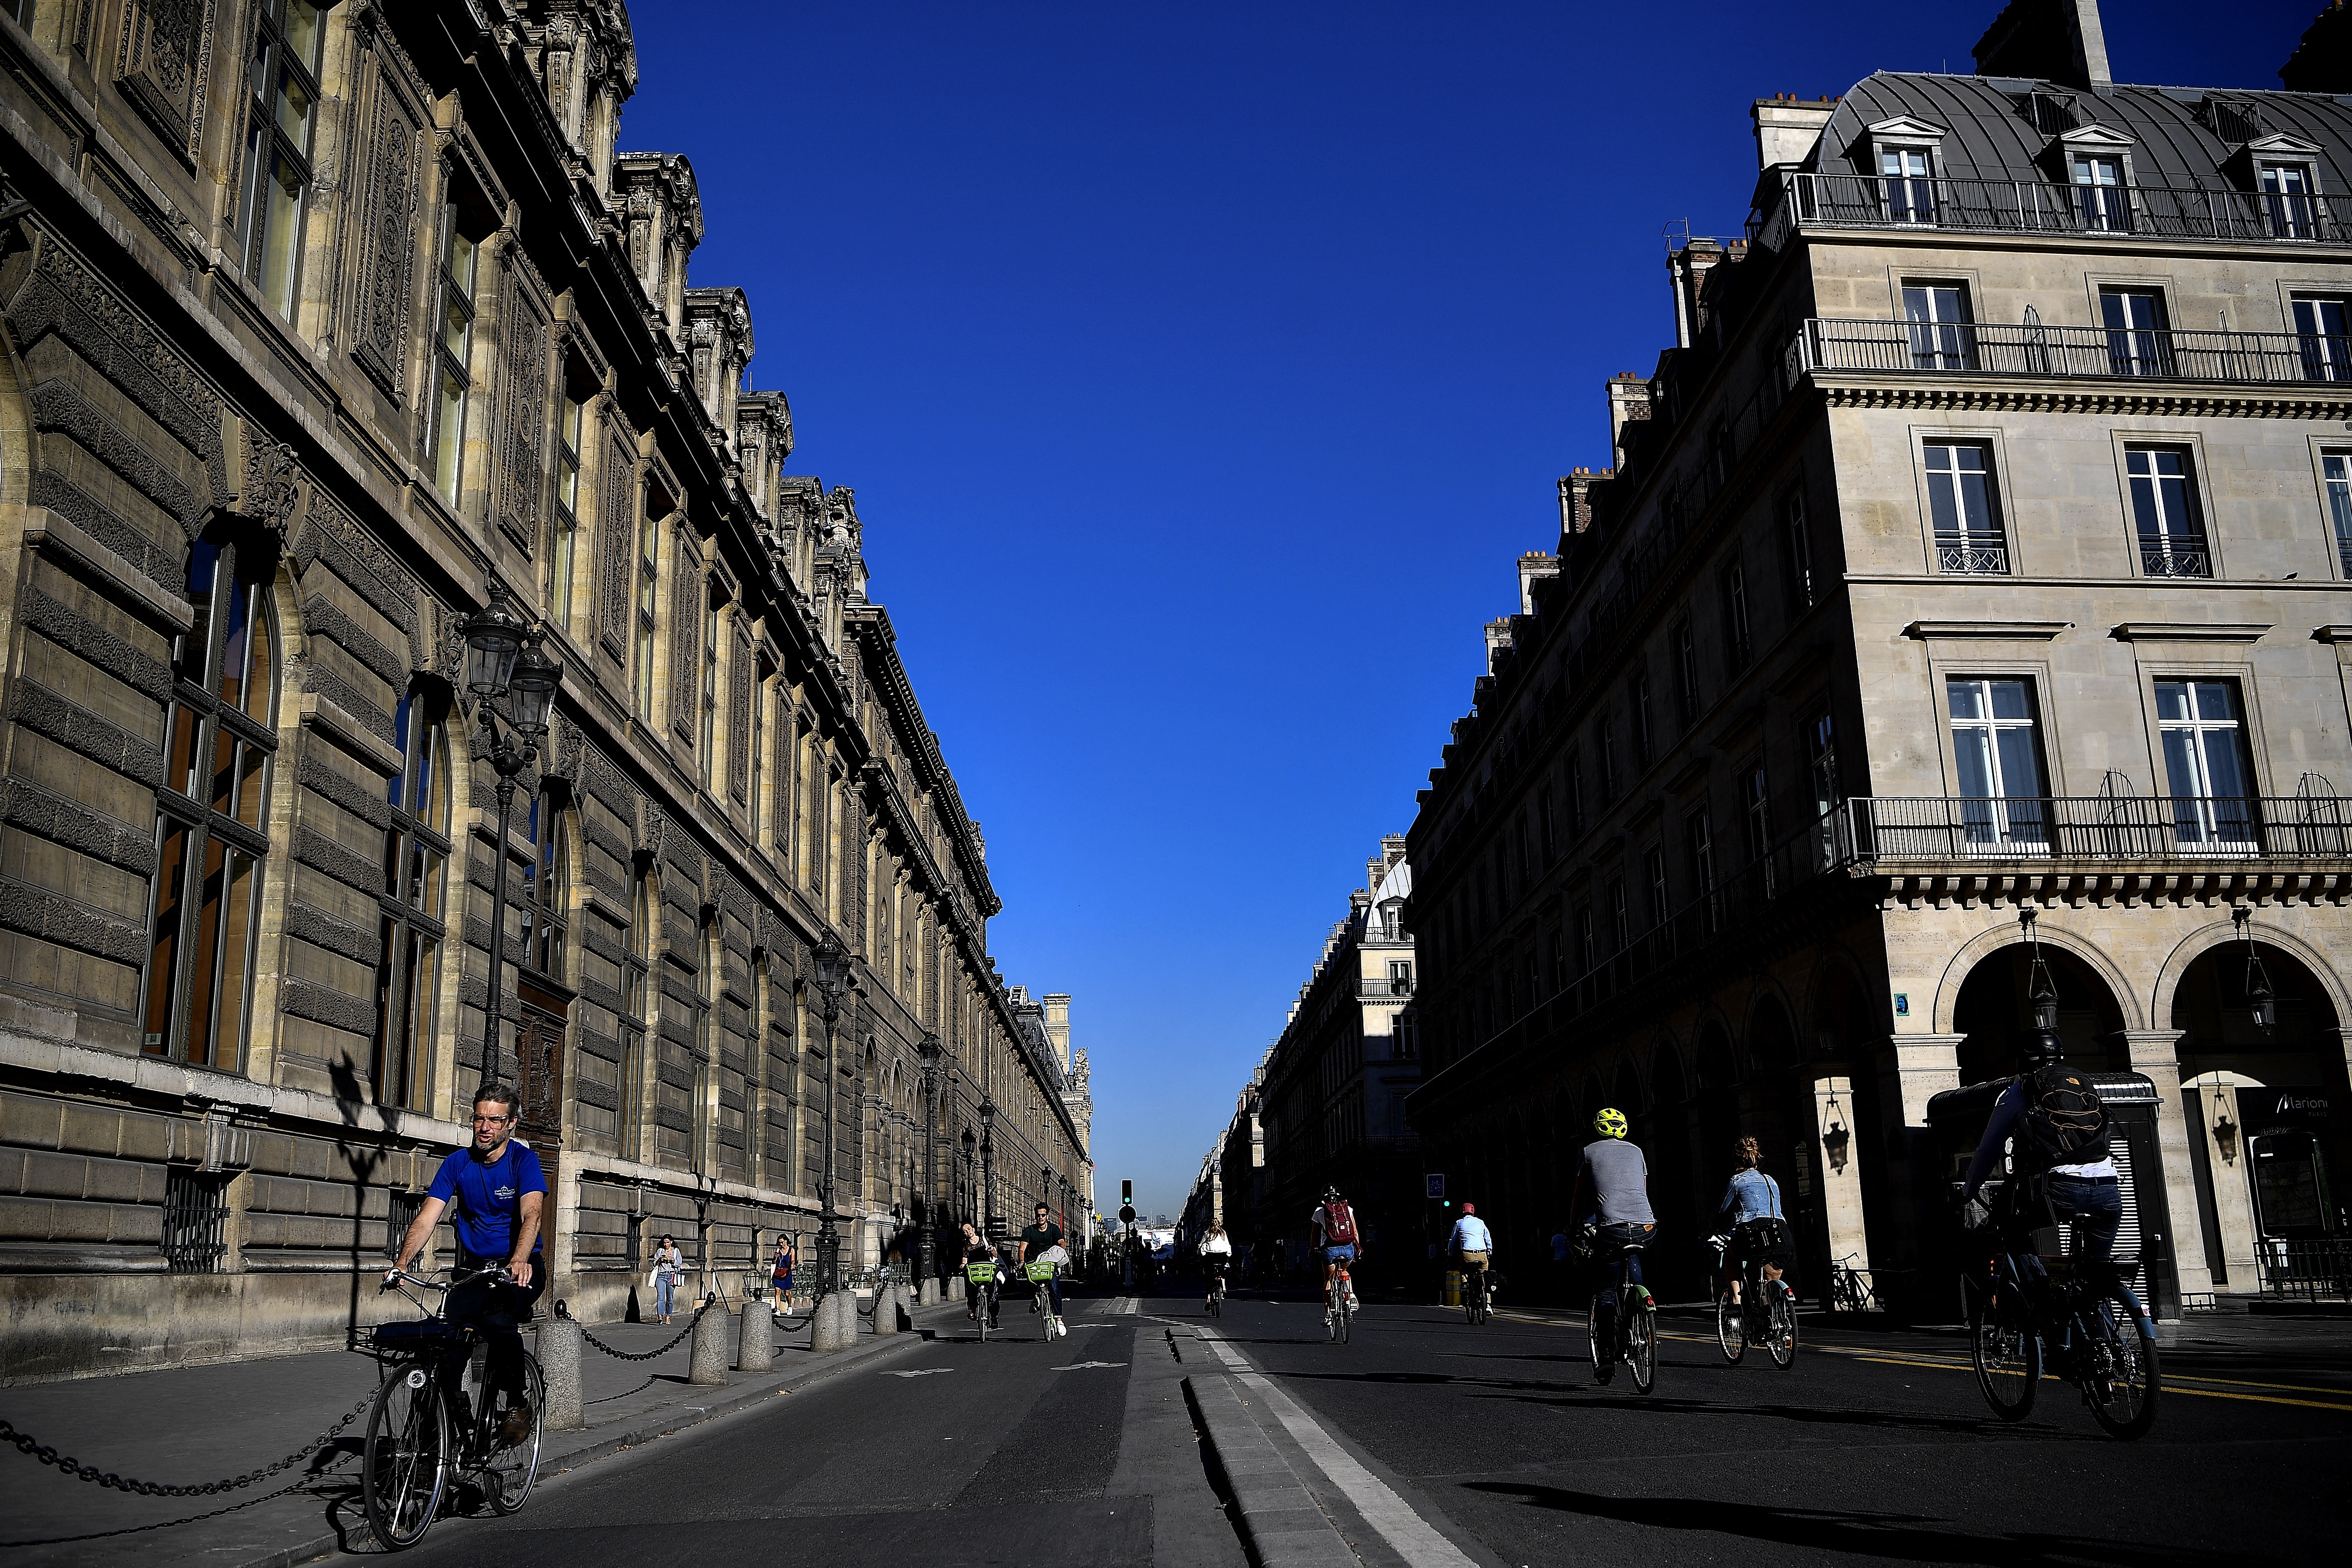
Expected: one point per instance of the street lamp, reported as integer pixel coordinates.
(2257, 981)
(1837, 1140)
(987, 1163)
(2042, 991)
(832, 983)
(927, 1243)
(505, 664)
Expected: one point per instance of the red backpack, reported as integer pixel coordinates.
(1338, 1225)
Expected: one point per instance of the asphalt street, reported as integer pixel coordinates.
(1874, 1447)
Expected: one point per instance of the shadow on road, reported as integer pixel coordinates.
(1911, 1538)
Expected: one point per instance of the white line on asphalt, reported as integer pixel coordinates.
(1403, 1529)
(919, 1371)
(1118, 1304)
(1082, 1366)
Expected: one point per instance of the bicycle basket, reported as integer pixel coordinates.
(980, 1273)
(414, 1335)
(1040, 1272)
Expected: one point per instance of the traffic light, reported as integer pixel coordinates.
(1126, 1214)
(1127, 1192)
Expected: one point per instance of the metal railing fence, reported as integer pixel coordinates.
(2037, 206)
(2035, 349)
(2100, 828)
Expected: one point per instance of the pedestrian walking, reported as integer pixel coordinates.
(669, 1264)
(780, 1271)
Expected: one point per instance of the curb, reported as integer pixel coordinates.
(1281, 1524)
(330, 1541)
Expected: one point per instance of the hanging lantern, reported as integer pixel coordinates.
(2040, 991)
(2259, 995)
(493, 638)
(1836, 1141)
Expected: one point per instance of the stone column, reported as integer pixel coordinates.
(1925, 1067)
(2156, 1056)
(2233, 1197)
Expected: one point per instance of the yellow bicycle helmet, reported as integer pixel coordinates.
(1610, 1124)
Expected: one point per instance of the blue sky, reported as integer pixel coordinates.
(1202, 371)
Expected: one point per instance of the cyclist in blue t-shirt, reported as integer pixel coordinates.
(498, 1192)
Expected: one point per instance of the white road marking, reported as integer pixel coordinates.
(919, 1371)
(1118, 1304)
(1082, 1366)
(1406, 1531)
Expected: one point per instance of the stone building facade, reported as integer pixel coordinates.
(1327, 1103)
(299, 361)
(1980, 550)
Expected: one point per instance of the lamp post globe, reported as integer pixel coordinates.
(494, 636)
(534, 680)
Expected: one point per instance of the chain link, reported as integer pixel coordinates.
(29, 1445)
(708, 1303)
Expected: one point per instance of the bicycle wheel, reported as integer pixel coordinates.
(2008, 1362)
(1782, 1331)
(511, 1469)
(406, 1464)
(980, 1316)
(1730, 1329)
(1642, 1349)
(1347, 1319)
(2120, 1378)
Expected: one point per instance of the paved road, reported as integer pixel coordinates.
(1874, 1448)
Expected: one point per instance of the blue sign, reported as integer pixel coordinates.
(1436, 1184)
(1902, 1003)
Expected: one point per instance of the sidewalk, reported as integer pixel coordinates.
(201, 1424)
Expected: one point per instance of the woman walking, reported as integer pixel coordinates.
(669, 1264)
(780, 1271)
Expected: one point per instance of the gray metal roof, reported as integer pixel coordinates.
(1992, 134)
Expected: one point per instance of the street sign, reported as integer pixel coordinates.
(1436, 1181)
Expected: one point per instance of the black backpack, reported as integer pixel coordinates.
(2064, 1124)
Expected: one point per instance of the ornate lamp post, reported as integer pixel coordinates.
(987, 1162)
(505, 664)
(832, 983)
(927, 1243)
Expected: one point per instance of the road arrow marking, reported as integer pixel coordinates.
(1082, 1366)
(919, 1371)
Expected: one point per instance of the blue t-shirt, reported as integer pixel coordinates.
(486, 1197)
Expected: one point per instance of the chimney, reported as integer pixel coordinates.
(2323, 62)
(1499, 639)
(1629, 399)
(1533, 566)
(1575, 488)
(2049, 40)
(1057, 1026)
(1688, 268)
(1786, 131)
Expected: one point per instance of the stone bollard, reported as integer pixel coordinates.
(886, 1307)
(931, 1296)
(709, 1363)
(560, 1347)
(755, 1345)
(826, 1334)
(955, 1287)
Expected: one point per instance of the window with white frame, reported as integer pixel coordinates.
(281, 118)
(1997, 744)
(2320, 323)
(2335, 478)
(560, 558)
(1739, 639)
(416, 858)
(1687, 668)
(2290, 200)
(648, 590)
(453, 352)
(1906, 183)
(2101, 201)
(1799, 543)
(2164, 510)
(1942, 330)
(1964, 508)
(2203, 734)
(2138, 341)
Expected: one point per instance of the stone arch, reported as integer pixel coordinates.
(1628, 1087)
(1770, 1040)
(1713, 1065)
(2008, 933)
(2221, 933)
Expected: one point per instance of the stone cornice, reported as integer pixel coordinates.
(1960, 390)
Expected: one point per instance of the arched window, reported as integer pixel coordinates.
(547, 887)
(211, 826)
(415, 887)
(633, 968)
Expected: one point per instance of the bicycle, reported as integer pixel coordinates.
(1215, 1302)
(2070, 1312)
(1850, 1287)
(1634, 1341)
(408, 1458)
(1041, 1279)
(1477, 1295)
(1339, 1305)
(979, 1279)
(1737, 1325)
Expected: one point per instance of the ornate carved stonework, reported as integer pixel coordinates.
(384, 217)
(163, 65)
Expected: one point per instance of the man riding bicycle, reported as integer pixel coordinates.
(1613, 1171)
(1334, 1223)
(498, 1191)
(1474, 1244)
(2061, 1133)
(1034, 1243)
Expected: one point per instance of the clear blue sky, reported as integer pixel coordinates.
(1201, 370)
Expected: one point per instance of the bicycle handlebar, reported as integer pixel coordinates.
(496, 1274)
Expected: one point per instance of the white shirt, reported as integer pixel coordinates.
(1216, 1245)
(1470, 1235)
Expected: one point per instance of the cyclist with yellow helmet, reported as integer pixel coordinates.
(1618, 1212)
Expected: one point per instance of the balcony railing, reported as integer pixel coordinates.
(2036, 206)
(2032, 349)
(1975, 558)
(2101, 827)
(1387, 986)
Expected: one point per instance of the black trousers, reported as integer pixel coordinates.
(499, 1310)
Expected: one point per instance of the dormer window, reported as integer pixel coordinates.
(2290, 202)
(2098, 177)
(1906, 151)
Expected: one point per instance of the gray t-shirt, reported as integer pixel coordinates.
(1618, 1178)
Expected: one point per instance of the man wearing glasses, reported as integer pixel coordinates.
(498, 1191)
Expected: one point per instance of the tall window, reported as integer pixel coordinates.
(416, 876)
(1942, 337)
(452, 352)
(280, 118)
(211, 823)
(547, 889)
(706, 1041)
(634, 964)
(2335, 475)
(1799, 539)
(2319, 330)
(707, 734)
(1546, 834)
(1572, 776)
(567, 512)
(1687, 670)
(1653, 873)
(1641, 736)
(757, 793)
(1964, 508)
(1909, 192)
(1738, 641)
(2205, 762)
(1586, 943)
(1821, 758)
(2164, 510)
(2289, 201)
(649, 586)
(1999, 748)
(1620, 918)
(2137, 342)
(1756, 805)
(1699, 840)
(2101, 202)
(1608, 739)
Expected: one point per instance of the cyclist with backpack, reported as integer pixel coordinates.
(2060, 1129)
(1335, 1238)
(1618, 1212)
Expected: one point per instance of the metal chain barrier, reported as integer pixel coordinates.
(26, 1444)
(562, 1310)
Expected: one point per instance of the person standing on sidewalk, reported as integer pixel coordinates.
(497, 1191)
(669, 1264)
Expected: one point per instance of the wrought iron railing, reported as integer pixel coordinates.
(1975, 558)
(2100, 828)
(2181, 560)
(2313, 1271)
(1385, 985)
(2033, 349)
(2036, 206)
